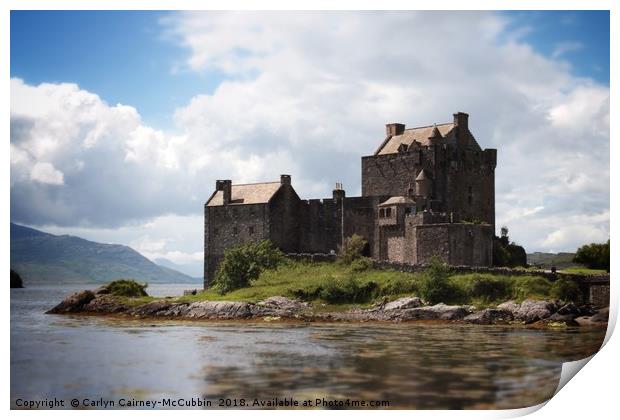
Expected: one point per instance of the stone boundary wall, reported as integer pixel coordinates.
(316, 257)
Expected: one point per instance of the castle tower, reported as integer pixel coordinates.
(423, 185)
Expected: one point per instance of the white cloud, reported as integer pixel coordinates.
(563, 48)
(46, 173)
(308, 94)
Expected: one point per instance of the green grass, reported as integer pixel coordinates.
(337, 285)
(582, 270)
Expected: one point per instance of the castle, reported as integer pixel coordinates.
(425, 191)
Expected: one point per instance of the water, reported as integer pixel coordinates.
(409, 365)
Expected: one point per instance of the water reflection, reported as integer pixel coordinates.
(411, 365)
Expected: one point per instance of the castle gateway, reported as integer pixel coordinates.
(425, 191)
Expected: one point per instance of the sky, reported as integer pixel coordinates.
(122, 121)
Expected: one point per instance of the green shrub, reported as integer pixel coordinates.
(434, 284)
(242, 264)
(348, 290)
(398, 286)
(361, 264)
(127, 288)
(490, 289)
(532, 287)
(352, 249)
(593, 256)
(566, 290)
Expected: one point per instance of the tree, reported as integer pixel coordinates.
(244, 263)
(594, 256)
(434, 285)
(352, 249)
(506, 253)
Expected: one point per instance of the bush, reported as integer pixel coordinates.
(127, 288)
(532, 287)
(593, 256)
(361, 264)
(348, 290)
(506, 253)
(352, 249)
(566, 290)
(242, 264)
(490, 289)
(398, 286)
(435, 286)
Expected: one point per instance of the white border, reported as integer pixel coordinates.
(591, 395)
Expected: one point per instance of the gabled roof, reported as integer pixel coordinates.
(396, 201)
(419, 134)
(247, 194)
(421, 176)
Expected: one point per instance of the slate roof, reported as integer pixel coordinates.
(419, 134)
(397, 200)
(247, 194)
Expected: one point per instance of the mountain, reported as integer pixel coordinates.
(41, 257)
(548, 259)
(191, 269)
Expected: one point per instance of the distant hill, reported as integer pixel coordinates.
(191, 269)
(547, 259)
(40, 257)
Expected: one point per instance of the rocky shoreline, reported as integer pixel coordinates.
(534, 313)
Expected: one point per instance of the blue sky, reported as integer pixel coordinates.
(122, 56)
(126, 58)
(122, 121)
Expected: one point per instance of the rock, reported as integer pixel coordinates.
(106, 304)
(278, 307)
(598, 319)
(531, 311)
(403, 303)
(601, 316)
(73, 303)
(16, 280)
(159, 307)
(218, 310)
(587, 310)
(568, 309)
(102, 290)
(511, 306)
(281, 302)
(435, 312)
(489, 316)
(558, 317)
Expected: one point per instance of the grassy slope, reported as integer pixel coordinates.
(290, 278)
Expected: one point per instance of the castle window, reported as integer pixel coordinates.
(235, 230)
(251, 230)
(470, 199)
(388, 212)
(407, 210)
(381, 212)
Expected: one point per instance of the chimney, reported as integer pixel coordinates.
(285, 180)
(224, 185)
(394, 129)
(461, 120)
(338, 193)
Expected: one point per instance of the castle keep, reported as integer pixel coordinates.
(425, 191)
